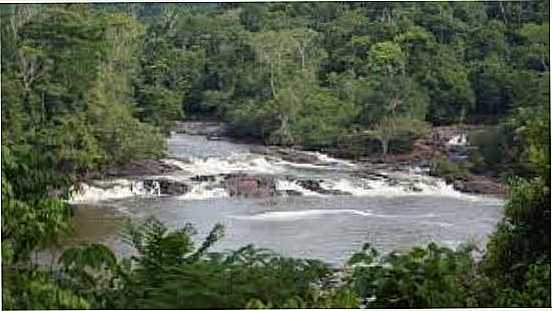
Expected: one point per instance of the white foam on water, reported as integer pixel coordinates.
(416, 170)
(301, 214)
(345, 185)
(436, 223)
(327, 159)
(202, 191)
(429, 215)
(284, 163)
(365, 187)
(403, 186)
(412, 182)
(110, 190)
(324, 163)
(432, 186)
(282, 185)
(236, 163)
(458, 140)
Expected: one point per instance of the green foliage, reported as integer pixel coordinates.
(396, 96)
(163, 106)
(448, 170)
(494, 151)
(449, 88)
(167, 76)
(29, 221)
(168, 262)
(70, 95)
(252, 16)
(94, 256)
(27, 228)
(312, 117)
(66, 88)
(422, 278)
(386, 58)
(29, 224)
(523, 237)
(36, 290)
(394, 129)
(535, 54)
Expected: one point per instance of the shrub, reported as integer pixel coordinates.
(448, 170)
(422, 278)
(492, 151)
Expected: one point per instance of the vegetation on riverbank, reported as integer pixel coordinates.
(85, 87)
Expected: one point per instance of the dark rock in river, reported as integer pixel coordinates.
(309, 184)
(204, 178)
(480, 185)
(291, 155)
(289, 192)
(413, 188)
(370, 174)
(167, 186)
(250, 186)
(314, 185)
(286, 154)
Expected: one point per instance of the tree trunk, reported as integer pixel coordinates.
(43, 114)
(384, 147)
(543, 61)
(285, 136)
(502, 11)
(302, 52)
(272, 80)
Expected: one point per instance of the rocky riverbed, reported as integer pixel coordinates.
(153, 176)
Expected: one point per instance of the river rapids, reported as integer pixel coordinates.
(391, 209)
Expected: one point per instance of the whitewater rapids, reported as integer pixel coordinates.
(333, 174)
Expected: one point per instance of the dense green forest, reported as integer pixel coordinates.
(88, 86)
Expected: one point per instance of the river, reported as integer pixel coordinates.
(389, 215)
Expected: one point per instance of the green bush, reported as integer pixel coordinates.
(493, 152)
(421, 278)
(448, 170)
(523, 236)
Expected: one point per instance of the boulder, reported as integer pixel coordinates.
(173, 188)
(480, 185)
(413, 188)
(260, 150)
(250, 186)
(314, 185)
(370, 175)
(286, 154)
(294, 156)
(167, 186)
(204, 178)
(289, 192)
